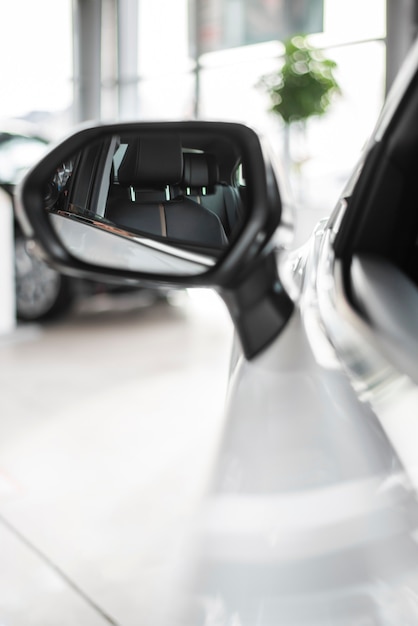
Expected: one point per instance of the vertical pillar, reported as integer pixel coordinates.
(87, 59)
(109, 61)
(195, 45)
(401, 30)
(7, 286)
(128, 59)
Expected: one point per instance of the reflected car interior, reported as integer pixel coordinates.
(165, 187)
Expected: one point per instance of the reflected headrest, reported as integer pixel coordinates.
(151, 162)
(200, 170)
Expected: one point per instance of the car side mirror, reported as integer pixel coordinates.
(178, 203)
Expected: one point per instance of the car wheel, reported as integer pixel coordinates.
(41, 292)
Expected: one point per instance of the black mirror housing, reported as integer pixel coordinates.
(175, 204)
(239, 153)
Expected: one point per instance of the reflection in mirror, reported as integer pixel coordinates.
(160, 202)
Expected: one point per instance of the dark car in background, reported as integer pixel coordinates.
(41, 291)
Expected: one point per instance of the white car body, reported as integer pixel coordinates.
(312, 517)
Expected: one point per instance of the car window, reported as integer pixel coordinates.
(17, 155)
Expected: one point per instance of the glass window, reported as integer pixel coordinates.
(17, 154)
(36, 56)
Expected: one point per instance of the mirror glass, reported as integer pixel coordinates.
(153, 201)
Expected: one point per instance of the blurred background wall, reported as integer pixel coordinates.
(137, 59)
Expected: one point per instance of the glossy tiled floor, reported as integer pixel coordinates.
(108, 425)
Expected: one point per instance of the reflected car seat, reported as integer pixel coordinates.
(201, 182)
(152, 167)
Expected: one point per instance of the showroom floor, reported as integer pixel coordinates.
(109, 420)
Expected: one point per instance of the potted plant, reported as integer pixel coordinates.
(304, 86)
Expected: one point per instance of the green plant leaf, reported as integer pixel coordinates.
(304, 85)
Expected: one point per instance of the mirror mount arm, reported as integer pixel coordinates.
(259, 306)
